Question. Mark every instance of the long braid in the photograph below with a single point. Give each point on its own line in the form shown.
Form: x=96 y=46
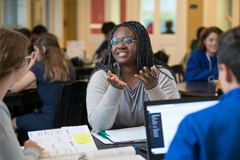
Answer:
x=145 y=55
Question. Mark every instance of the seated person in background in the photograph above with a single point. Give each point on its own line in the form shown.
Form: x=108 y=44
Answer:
x=194 y=44
x=106 y=30
x=127 y=76
x=37 y=30
x=49 y=67
x=13 y=50
x=213 y=133
x=28 y=34
x=169 y=27
x=202 y=64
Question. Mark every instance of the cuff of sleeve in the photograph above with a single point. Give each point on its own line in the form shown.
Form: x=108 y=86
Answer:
x=156 y=93
x=33 y=152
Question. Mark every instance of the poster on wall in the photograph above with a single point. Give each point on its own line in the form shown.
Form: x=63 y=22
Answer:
x=76 y=49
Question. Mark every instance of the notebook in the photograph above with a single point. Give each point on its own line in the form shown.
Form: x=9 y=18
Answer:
x=63 y=143
x=163 y=117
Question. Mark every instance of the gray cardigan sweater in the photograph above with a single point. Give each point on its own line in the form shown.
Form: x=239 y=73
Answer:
x=109 y=107
x=9 y=146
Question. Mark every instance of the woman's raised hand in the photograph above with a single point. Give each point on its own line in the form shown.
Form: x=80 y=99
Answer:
x=115 y=82
x=150 y=79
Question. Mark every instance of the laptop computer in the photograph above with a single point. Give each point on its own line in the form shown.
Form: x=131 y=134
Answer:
x=163 y=117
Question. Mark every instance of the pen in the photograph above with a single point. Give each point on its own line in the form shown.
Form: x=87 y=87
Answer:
x=105 y=136
x=28 y=57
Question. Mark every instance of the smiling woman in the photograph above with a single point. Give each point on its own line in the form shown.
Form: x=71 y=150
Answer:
x=202 y=63
x=127 y=76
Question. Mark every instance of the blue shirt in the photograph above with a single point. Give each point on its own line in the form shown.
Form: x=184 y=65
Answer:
x=210 y=134
x=103 y=46
x=48 y=92
x=199 y=68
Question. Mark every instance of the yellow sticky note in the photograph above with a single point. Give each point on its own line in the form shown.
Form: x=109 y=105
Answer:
x=82 y=138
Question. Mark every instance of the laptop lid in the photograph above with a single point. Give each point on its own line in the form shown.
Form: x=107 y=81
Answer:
x=163 y=117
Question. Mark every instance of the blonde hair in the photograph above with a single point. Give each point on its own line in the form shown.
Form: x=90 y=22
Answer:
x=57 y=64
x=13 y=50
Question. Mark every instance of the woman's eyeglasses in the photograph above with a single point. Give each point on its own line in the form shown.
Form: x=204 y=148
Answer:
x=127 y=41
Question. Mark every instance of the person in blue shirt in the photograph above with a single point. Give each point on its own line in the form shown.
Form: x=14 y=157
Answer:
x=106 y=30
x=213 y=133
x=49 y=68
x=202 y=64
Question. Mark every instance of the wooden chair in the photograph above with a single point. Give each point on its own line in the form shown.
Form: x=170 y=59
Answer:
x=71 y=105
x=179 y=72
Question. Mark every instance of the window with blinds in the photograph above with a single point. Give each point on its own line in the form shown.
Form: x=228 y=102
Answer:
x=14 y=14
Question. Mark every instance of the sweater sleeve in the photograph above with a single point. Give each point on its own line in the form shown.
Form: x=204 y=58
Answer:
x=167 y=88
x=196 y=71
x=9 y=145
x=12 y=150
x=102 y=102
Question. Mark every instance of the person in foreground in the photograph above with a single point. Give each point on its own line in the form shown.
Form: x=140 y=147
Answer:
x=213 y=133
x=49 y=67
x=202 y=64
x=13 y=49
x=127 y=76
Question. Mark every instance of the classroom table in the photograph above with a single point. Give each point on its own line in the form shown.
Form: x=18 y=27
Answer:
x=84 y=71
x=197 y=89
x=29 y=95
x=100 y=145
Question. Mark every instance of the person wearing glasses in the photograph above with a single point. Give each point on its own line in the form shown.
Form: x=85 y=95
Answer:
x=13 y=49
x=49 y=68
x=127 y=76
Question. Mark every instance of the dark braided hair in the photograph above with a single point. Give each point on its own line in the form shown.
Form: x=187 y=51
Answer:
x=145 y=55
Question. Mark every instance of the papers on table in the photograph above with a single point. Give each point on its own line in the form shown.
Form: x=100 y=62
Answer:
x=126 y=135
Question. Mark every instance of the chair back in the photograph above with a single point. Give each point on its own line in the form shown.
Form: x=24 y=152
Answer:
x=162 y=56
x=179 y=72
x=71 y=105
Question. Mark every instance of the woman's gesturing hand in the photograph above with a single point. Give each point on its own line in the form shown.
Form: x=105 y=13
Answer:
x=150 y=79
x=115 y=82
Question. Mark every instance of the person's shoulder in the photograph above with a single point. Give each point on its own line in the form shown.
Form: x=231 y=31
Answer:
x=197 y=52
x=99 y=74
x=164 y=70
x=204 y=116
x=39 y=64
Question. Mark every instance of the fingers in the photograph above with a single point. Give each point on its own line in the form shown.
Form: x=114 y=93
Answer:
x=147 y=72
x=154 y=71
x=140 y=78
x=115 y=82
x=109 y=73
x=148 y=75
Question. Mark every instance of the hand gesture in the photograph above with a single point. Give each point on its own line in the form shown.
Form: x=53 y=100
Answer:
x=150 y=79
x=30 y=143
x=115 y=82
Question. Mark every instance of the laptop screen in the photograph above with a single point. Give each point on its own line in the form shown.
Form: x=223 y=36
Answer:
x=163 y=117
